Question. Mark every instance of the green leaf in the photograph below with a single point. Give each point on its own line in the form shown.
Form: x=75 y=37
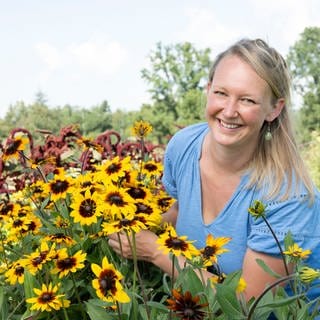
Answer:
x=228 y=301
x=267 y=269
x=97 y=313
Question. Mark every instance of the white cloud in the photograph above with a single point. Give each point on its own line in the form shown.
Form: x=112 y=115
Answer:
x=205 y=30
x=96 y=56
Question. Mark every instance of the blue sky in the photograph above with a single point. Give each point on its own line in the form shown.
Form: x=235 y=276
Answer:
x=82 y=52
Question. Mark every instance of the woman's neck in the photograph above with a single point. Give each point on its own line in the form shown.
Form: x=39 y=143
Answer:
x=226 y=159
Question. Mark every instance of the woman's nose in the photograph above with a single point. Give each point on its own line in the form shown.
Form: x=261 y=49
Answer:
x=230 y=109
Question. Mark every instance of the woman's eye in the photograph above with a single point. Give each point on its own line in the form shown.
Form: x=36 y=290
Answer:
x=248 y=101
x=219 y=93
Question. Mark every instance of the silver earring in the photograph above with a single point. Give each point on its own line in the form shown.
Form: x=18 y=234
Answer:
x=268 y=134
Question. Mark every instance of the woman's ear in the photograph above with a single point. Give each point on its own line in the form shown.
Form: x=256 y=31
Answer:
x=276 y=110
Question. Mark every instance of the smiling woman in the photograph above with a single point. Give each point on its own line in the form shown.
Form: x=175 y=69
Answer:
x=245 y=151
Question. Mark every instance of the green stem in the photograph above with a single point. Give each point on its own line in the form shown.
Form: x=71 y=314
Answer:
x=77 y=296
x=254 y=305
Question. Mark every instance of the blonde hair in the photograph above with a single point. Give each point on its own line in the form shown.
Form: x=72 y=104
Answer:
x=278 y=160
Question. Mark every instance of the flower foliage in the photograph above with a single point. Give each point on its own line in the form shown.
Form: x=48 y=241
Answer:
x=59 y=203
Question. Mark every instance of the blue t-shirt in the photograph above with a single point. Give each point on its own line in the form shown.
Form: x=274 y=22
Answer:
x=182 y=181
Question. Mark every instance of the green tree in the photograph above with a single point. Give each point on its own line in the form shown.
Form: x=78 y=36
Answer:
x=176 y=77
x=304 y=62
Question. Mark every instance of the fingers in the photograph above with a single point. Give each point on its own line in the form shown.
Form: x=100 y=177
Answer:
x=120 y=245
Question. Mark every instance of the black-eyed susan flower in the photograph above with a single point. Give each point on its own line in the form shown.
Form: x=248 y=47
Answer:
x=15 y=273
x=308 y=274
x=185 y=306
x=296 y=253
x=65 y=263
x=107 y=284
x=59 y=186
x=86 y=208
x=123 y=222
x=37 y=259
x=213 y=248
x=257 y=210
x=164 y=201
x=113 y=169
x=152 y=168
x=14 y=146
x=169 y=242
x=117 y=200
x=60 y=238
x=141 y=129
x=47 y=299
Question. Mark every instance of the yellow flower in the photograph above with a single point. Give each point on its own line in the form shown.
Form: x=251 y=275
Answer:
x=66 y=264
x=15 y=273
x=170 y=243
x=86 y=207
x=141 y=129
x=47 y=299
x=241 y=285
x=107 y=284
x=214 y=248
x=257 y=210
x=295 y=252
x=14 y=146
x=59 y=186
x=309 y=274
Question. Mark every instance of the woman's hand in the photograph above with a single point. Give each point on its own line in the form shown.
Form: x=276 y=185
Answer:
x=145 y=243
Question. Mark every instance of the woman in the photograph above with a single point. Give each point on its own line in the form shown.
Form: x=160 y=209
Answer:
x=244 y=152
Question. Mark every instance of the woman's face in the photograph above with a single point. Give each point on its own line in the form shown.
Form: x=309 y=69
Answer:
x=238 y=103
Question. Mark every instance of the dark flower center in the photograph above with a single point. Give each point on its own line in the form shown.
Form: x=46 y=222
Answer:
x=176 y=243
x=107 y=281
x=46 y=297
x=209 y=251
x=116 y=199
x=143 y=208
x=150 y=167
x=13 y=147
x=137 y=193
x=114 y=167
x=59 y=186
x=66 y=264
x=87 y=208
x=19 y=270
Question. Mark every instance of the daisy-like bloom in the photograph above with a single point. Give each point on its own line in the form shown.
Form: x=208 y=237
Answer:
x=257 y=210
x=308 y=274
x=116 y=200
x=123 y=222
x=65 y=264
x=148 y=213
x=85 y=181
x=213 y=248
x=37 y=191
x=59 y=186
x=185 y=306
x=14 y=146
x=113 y=169
x=107 y=284
x=152 y=168
x=169 y=242
x=141 y=129
x=86 y=207
x=60 y=222
x=296 y=253
x=88 y=143
x=139 y=192
x=60 y=238
x=37 y=259
x=8 y=209
x=164 y=201
x=15 y=273
x=47 y=299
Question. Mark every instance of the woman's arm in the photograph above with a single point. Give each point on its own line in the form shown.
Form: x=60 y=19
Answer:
x=171 y=215
x=256 y=278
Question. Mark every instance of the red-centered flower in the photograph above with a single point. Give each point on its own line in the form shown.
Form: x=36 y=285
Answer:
x=185 y=306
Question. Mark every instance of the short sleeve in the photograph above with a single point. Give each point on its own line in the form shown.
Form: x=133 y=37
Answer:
x=168 y=180
x=295 y=215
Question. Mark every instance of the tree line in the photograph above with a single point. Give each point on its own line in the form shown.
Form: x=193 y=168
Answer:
x=176 y=80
